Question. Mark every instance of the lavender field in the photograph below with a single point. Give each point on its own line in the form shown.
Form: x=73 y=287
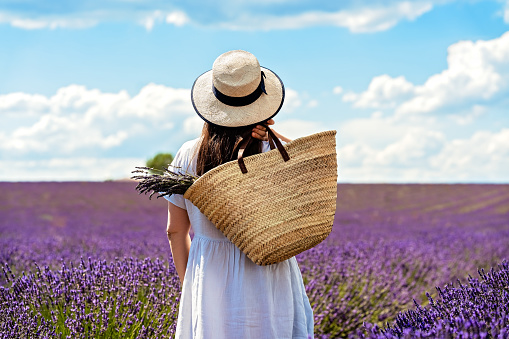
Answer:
x=86 y=259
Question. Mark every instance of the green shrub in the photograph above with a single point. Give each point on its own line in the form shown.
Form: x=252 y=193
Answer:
x=160 y=160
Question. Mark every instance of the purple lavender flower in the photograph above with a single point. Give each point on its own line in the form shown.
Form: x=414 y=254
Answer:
x=389 y=245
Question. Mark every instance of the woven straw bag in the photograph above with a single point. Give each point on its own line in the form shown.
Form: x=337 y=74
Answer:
x=273 y=205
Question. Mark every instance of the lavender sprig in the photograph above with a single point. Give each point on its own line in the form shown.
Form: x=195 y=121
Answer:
x=165 y=183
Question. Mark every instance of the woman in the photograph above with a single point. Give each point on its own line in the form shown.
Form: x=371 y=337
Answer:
x=224 y=294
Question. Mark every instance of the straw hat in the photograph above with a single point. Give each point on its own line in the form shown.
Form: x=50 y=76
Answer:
x=237 y=91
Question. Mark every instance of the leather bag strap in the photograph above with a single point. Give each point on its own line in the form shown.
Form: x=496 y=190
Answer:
x=240 y=157
x=272 y=139
x=271 y=143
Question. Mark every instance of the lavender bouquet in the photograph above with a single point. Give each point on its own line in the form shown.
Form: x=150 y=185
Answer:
x=165 y=182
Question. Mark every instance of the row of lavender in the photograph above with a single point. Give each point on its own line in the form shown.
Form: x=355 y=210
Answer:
x=138 y=299
x=390 y=244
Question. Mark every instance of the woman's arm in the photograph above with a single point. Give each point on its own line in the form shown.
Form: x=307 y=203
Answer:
x=282 y=137
x=178 y=236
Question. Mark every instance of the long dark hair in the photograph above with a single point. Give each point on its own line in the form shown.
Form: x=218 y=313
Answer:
x=219 y=144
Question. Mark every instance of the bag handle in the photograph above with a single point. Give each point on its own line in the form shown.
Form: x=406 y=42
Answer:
x=272 y=139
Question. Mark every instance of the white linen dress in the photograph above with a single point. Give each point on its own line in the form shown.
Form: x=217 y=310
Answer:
x=224 y=294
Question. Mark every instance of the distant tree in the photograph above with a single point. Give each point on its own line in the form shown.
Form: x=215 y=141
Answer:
x=160 y=160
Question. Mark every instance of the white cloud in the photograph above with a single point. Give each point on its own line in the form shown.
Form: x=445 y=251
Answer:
x=376 y=130
x=312 y=103
x=378 y=133
x=49 y=22
x=90 y=102
x=361 y=20
x=292 y=100
x=506 y=12
x=410 y=151
x=150 y=20
x=337 y=90
x=469 y=117
x=23 y=102
x=477 y=72
x=350 y=97
x=355 y=16
x=30 y=24
x=83 y=19
x=193 y=125
x=156 y=101
x=177 y=18
x=64 y=169
x=382 y=92
x=358 y=20
x=295 y=128
x=76 y=118
x=427 y=156
x=77 y=129
x=53 y=134
x=354 y=155
x=484 y=156
x=405 y=140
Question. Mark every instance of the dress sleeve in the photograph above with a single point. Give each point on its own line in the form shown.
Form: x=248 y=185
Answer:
x=178 y=163
x=266 y=145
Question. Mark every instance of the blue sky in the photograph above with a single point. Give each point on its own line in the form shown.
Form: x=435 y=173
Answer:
x=417 y=90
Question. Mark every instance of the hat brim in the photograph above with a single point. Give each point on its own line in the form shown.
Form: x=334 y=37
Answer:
x=210 y=109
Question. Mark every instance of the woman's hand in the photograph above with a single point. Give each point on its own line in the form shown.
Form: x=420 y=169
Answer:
x=260 y=132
